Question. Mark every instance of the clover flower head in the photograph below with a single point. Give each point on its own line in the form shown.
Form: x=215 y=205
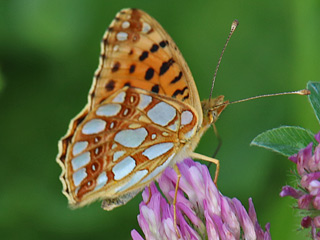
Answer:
x=202 y=211
x=308 y=191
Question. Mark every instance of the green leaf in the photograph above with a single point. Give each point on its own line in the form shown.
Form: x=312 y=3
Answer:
x=314 y=97
x=285 y=140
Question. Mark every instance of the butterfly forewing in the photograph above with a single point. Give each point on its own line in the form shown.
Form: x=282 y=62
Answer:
x=136 y=51
x=122 y=144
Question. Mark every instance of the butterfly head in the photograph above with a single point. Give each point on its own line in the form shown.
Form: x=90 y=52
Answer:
x=212 y=108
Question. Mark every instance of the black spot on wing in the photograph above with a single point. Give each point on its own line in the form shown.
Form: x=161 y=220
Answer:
x=165 y=66
x=149 y=74
x=115 y=67
x=154 y=48
x=132 y=68
x=110 y=85
x=178 y=91
x=163 y=43
x=143 y=56
x=177 y=78
x=186 y=97
x=155 y=88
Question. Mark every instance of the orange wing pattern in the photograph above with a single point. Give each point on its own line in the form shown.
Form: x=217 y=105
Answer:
x=136 y=51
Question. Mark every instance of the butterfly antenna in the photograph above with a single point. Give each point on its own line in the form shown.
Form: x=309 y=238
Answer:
x=300 y=92
x=234 y=25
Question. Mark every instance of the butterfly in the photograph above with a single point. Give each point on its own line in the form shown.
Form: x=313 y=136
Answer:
x=143 y=115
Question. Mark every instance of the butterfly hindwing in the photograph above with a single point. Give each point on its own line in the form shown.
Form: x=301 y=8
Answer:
x=122 y=144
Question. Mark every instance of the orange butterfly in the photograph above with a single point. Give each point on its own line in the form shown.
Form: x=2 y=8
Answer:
x=143 y=114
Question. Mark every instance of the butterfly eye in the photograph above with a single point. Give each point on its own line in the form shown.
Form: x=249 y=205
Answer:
x=214 y=115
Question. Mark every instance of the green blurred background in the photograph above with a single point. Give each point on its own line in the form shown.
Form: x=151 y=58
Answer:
x=49 y=51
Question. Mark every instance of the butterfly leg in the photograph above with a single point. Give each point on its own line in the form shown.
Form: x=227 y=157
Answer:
x=208 y=159
x=175 y=200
